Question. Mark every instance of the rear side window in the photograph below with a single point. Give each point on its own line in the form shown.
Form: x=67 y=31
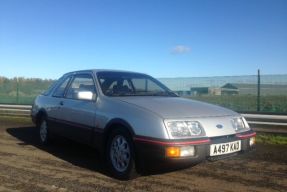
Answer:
x=81 y=83
x=60 y=90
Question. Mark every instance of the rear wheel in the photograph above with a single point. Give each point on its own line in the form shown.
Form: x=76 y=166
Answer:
x=120 y=155
x=43 y=131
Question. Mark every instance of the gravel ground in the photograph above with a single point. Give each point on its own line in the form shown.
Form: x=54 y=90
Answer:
x=68 y=166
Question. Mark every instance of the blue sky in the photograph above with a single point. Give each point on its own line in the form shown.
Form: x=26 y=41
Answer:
x=164 y=38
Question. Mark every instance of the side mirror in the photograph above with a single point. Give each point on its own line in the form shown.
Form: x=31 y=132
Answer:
x=85 y=95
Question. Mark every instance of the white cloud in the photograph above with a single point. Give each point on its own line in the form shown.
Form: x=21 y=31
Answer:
x=180 y=49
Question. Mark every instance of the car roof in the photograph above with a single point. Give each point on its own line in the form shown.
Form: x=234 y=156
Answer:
x=100 y=70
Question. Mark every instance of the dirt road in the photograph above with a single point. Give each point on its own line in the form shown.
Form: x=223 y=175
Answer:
x=67 y=166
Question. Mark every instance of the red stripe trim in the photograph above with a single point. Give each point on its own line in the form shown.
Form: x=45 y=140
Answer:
x=246 y=136
x=203 y=141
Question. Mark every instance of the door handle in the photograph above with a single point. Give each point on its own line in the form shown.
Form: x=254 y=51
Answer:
x=62 y=103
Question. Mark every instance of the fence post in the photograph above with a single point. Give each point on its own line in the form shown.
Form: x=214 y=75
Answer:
x=17 y=91
x=258 y=90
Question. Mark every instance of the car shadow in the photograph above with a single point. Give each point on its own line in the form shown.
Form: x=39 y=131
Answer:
x=79 y=154
x=75 y=153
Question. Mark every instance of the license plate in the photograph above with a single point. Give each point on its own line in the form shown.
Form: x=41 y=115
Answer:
x=225 y=148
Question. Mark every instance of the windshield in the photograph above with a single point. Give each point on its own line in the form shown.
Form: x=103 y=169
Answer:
x=131 y=84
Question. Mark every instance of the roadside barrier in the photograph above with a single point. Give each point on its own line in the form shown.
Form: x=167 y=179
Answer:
x=15 y=110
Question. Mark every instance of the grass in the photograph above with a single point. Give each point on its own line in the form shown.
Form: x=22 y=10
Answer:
x=272 y=139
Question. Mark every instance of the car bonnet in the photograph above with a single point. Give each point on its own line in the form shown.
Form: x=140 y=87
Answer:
x=176 y=107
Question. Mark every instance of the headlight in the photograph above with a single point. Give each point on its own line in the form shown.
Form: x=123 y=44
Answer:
x=239 y=124
x=179 y=129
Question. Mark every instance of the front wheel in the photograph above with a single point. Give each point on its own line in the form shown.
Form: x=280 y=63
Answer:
x=120 y=155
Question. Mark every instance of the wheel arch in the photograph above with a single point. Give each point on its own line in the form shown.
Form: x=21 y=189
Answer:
x=117 y=123
x=41 y=113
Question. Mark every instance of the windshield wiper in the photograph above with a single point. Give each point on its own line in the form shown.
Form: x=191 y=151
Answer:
x=159 y=93
x=164 y=93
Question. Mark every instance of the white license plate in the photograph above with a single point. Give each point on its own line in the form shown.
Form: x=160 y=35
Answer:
x=225 y=148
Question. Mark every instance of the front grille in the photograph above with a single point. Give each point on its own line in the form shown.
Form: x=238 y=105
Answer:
x=223 y=139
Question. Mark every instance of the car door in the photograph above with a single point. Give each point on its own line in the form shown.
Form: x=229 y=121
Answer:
x=54 y=103
x=79 y=114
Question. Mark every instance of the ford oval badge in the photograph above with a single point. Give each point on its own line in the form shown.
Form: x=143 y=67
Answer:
x=219 y=126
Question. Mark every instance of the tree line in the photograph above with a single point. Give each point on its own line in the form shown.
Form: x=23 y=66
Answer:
x=23 y=86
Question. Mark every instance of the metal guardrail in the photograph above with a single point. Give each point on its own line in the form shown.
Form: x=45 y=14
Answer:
x=15 y=110
x=260 y=119
x=267 y=123
x=253 y=119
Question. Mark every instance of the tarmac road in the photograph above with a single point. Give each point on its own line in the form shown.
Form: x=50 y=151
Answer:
x=68 y=166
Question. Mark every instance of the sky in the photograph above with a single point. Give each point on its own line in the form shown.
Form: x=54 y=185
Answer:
x=163 y=38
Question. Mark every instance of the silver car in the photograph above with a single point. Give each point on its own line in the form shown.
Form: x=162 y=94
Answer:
x=134 y=120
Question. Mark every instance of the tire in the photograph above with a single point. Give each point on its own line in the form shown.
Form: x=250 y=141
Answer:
x=44 y=136
x=120 y=155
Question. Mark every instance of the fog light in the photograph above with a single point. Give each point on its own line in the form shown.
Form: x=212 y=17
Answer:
x=252 y=141
x=182 y=151
x=187 y=151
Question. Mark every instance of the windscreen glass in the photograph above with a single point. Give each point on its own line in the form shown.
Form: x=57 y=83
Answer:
x=131 y=84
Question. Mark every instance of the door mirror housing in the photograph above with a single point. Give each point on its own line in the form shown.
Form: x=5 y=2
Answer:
x=85 y=95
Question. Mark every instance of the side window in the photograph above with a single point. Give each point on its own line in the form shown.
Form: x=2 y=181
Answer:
x=59 y=92
x=81 y=83
x=127 y=84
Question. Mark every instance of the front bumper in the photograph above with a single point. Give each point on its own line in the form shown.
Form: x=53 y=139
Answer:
x=151 y=151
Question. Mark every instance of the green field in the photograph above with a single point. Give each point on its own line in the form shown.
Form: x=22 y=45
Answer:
x=22 y=100
x=276 y=104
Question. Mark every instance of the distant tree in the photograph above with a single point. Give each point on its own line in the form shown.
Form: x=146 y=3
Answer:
x=27 y=86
